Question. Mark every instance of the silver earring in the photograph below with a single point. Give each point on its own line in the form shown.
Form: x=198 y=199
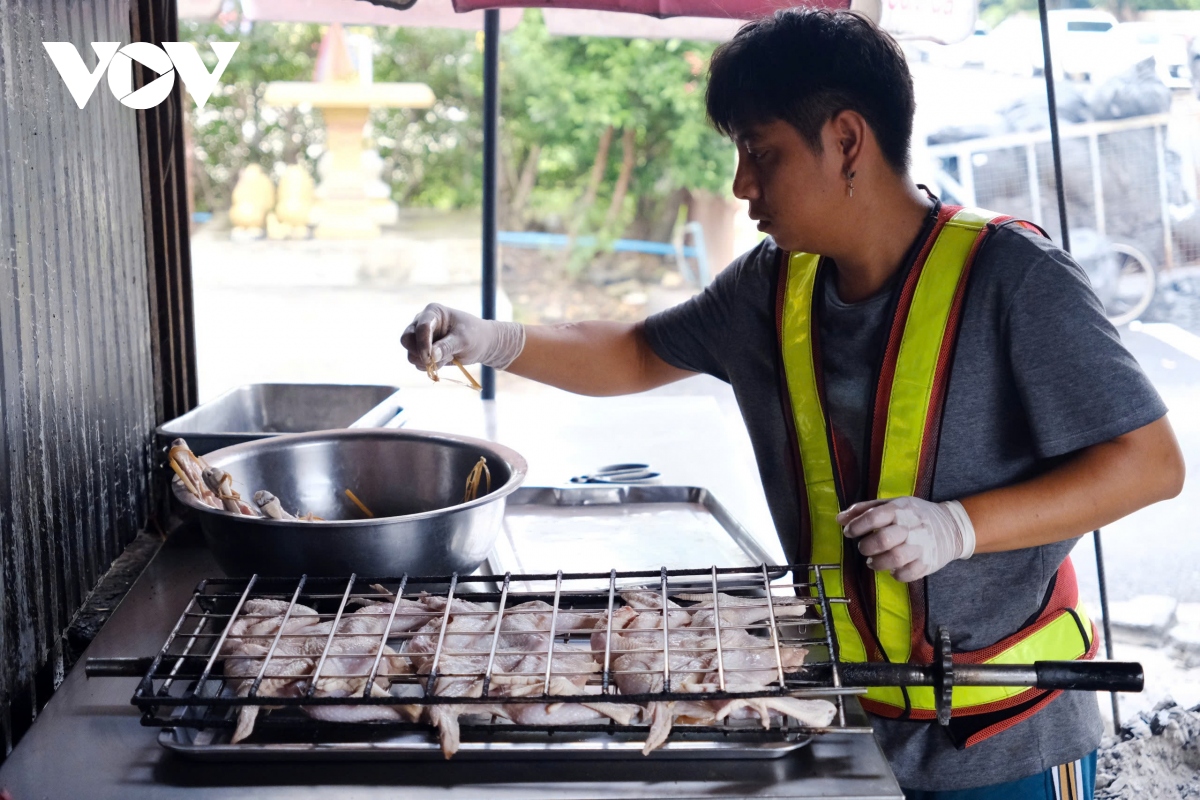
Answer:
x=850 y=183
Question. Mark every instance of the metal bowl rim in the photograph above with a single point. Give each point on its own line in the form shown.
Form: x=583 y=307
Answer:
x=519 y=469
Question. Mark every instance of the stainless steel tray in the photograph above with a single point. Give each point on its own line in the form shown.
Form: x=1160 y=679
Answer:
x=625 y=528
x=360 y=742
x=482 y=742
x=259 y=410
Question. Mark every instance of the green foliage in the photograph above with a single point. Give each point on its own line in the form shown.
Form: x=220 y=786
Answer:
x=558 y=97
x=235 y=128
x=432 y=157
x=994 y=11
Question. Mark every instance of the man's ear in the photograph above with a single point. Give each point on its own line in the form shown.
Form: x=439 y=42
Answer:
x=849 y=131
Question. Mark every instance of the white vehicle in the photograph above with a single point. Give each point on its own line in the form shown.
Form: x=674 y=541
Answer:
x=1080 y=41
x=1077 y=39
x=1132 y=42
x=1014 y=47
x=970 y=52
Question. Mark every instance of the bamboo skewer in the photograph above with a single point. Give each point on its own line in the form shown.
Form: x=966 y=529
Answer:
x=431 y=369
x=361 y=506
x=478 y=473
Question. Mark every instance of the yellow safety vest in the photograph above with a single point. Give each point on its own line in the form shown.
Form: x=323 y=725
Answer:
x=891 y=626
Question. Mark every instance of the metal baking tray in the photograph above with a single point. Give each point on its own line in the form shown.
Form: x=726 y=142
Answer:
x=259 y=410
x=360 y=742
x=626 y=528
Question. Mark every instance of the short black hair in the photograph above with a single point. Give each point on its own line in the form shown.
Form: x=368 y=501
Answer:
x=803 y=66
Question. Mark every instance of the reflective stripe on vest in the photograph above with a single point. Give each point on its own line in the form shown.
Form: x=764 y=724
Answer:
x=908 y=418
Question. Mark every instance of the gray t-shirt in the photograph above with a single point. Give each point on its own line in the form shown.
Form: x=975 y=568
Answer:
x=1038 y=374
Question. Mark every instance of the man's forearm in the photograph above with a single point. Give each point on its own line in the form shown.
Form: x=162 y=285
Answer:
x=1096 y=487
x=593 y=358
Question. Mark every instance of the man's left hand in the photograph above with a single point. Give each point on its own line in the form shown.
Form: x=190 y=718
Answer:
x=909 y=537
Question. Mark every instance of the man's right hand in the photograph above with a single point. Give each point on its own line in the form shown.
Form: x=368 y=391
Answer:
x=440 y=334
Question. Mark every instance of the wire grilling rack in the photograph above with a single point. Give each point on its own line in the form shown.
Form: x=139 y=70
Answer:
x=752 y=632
x=752 y=639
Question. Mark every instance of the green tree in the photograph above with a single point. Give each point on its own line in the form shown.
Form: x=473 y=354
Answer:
x=235 y=127
x=598 y=135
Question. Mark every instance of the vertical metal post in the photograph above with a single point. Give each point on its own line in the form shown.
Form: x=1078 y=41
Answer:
x=1055 y=143
x=1108 y=642
x=1164 y=199
x=1097 y=181
x=1035 y=189
x=966 y=174
x=491 y=120
x=1066 y=244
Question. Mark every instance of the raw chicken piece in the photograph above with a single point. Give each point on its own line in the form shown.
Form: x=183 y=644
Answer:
x=190 y=469
x=637 y=660
x=518 y=669
x=749 y=662
x=348 y=665
x=221 y=483
x=743 y=611
x=248 y=643
x=465 y=649
x=270 y=505
x=289 y=674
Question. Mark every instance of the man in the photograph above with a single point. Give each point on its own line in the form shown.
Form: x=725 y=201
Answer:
x=953 y=362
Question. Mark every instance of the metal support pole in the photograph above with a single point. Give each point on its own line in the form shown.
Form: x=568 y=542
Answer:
x=1108 y=642
x=491 y=120
x=1035 y=189
x=1055 y=148
x=1097 y=181
x=1164 y=199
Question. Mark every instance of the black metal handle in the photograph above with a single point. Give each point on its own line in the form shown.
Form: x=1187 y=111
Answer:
x=1091 y=676
x=117 y=667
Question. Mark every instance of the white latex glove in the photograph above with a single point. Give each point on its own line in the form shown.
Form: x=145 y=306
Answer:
x=441 y=334
x=909 y=537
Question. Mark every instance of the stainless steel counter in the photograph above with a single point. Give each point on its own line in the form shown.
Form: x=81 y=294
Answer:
x=89 y=743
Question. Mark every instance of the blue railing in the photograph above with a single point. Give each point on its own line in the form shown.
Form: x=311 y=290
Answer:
x=558 y=241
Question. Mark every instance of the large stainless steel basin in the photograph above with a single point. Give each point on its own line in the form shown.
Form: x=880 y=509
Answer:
x=412 y=480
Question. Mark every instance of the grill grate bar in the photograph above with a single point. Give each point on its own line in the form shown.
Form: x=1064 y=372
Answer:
x=333 y=630
x=383 y=637
x=666 y=638
x=553 y=625
x=606 y=681
x=717 y=627
x=431 y=683
x=822 y=691
x=774 y=629
x=405 y=677
x=487 y=673
x=147 y=683
x=216 y=651
x=275 y=642
x=830 y=639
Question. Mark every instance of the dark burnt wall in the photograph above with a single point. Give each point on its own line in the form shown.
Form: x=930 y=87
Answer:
x=77 y=390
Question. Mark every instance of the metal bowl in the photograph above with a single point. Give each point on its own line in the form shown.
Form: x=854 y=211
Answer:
x=413 y=481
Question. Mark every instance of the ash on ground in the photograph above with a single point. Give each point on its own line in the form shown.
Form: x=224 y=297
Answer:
x=1156 y=755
